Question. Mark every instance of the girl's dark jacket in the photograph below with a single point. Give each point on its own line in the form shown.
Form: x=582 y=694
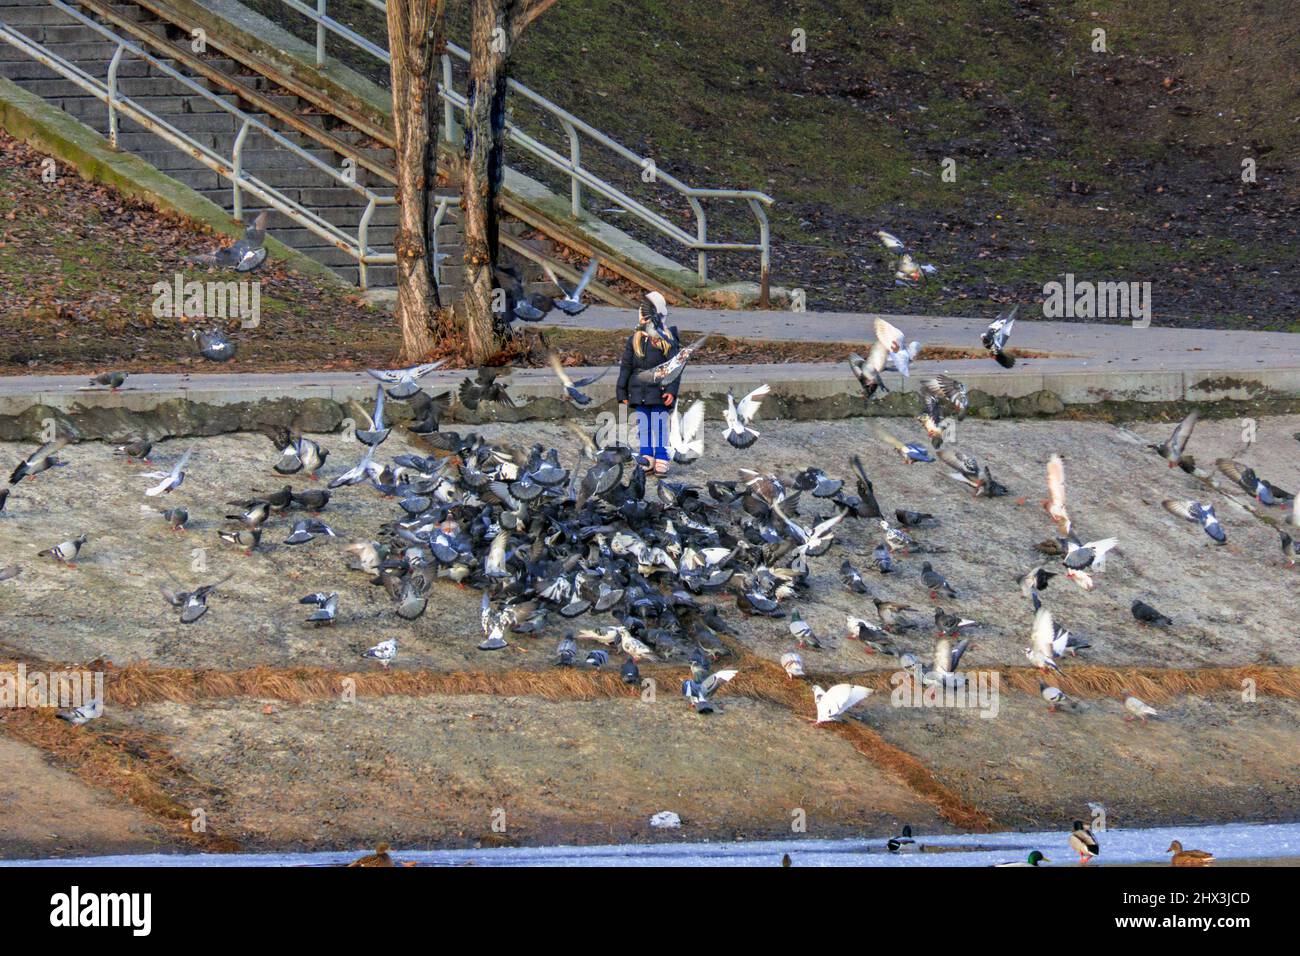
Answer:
x=641 y=393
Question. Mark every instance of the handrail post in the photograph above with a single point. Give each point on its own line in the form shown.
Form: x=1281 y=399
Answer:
x=448 y=110
x=363 y=242
x=237 y=171
x=112 y=96
x=575 y=161
x=764 y=254
x=701 y=235
x=437 y=222
x=320 y=32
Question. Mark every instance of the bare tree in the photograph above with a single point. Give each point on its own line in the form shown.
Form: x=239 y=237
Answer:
x=416 y=36
x=495 y=27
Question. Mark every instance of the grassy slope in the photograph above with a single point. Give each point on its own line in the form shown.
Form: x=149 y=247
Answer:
x=849 y=136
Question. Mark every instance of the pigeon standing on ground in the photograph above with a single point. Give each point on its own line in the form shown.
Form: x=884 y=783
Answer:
x=66 y=552
x=113 y=380
x=86 y=712
x=213 y=345
x=833 y=703
x=1138 y=709
x=385 y=652
x=1146 y=614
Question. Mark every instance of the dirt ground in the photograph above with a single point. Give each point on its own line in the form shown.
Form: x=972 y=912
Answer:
x=1227 y=602
x=596 y=770
x=433 y=771
x=49 y=812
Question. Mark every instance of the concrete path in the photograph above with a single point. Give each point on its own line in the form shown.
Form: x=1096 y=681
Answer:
x=1087 y=364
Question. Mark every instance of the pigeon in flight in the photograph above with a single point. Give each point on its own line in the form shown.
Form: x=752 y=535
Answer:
x=1262 y=491
x=740 y=415
x=326 y=608
x=40 y=460
x=244 y=255
x=1172 y=450
x=1054 y=504
x=1198 y=513
x=570 y=303
x=949 y=390
x=401 y=383
x=484 y=387
x=996 y=336
x=171 y=480
x=527 y=307
x=792 y=664
x=193 y=604
x=573 y=387
x=665 y=373
x=377 y=432
x=685 y=439
x=867 y=370
x=910 y=452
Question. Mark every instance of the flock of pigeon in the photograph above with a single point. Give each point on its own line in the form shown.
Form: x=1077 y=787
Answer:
x=588 y=542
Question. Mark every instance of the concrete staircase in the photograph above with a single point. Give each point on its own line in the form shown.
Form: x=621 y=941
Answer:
x=208 y=124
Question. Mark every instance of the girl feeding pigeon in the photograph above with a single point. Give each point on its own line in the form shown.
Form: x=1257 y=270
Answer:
x=652 y=344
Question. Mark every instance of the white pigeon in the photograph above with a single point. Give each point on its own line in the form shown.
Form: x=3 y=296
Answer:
x=834 y=702
x=79 y=715
x=901 y=360
x=891 y=337
x=385 y=652
x=401 y=382
x=890 y=241
x=1139 y=708
x=792 y=663
x=1040 y=651
x=638 y=650
x=739 y=416
x=171 y=480
x=684 y=438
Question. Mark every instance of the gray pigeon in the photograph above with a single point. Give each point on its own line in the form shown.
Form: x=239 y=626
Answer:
x=244 y=255
x=213 y=345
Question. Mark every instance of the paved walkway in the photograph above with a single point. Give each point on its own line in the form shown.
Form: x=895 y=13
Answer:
x=1087 y=363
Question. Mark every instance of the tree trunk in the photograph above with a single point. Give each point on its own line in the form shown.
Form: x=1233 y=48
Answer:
x=489 y=47
x=495 y=26
x=415 y=35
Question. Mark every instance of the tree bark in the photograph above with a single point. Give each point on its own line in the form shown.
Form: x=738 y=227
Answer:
x=495 y=26
x=415 y=37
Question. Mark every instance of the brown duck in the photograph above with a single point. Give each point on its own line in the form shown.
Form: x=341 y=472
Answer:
x=1189 y=857
x=379 y=858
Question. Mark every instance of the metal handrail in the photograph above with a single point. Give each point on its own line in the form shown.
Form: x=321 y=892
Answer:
x=571 y=165
x=107 y=91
